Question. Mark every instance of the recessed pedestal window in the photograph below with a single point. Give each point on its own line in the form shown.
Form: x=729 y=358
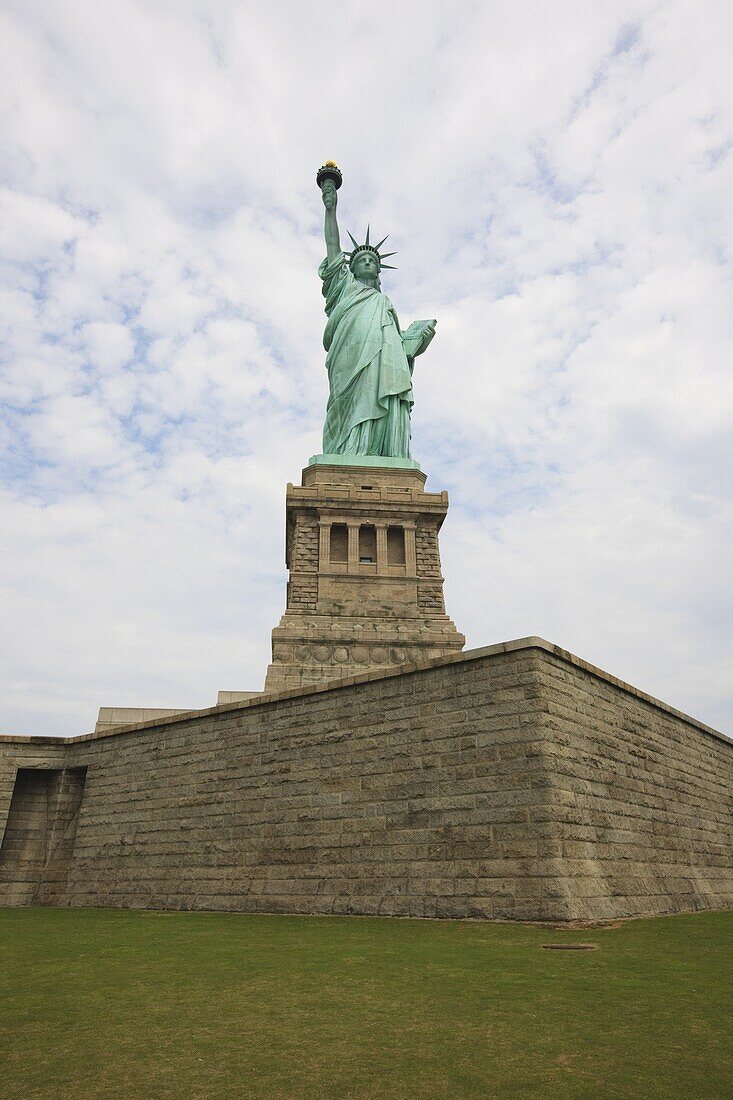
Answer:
x=339 y=542
x=395 y=546
x=367 y=544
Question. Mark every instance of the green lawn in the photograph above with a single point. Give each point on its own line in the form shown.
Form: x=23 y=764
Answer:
x=102 y=1003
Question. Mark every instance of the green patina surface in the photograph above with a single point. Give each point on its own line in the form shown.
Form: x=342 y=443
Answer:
x=372 y=461
x=369 y=358
x=119 y=1004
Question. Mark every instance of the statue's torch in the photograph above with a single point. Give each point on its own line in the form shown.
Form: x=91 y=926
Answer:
x=329 y=171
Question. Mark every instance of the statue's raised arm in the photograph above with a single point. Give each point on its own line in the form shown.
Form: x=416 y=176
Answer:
x=369 y=360
x=329 y=181
x=331 y=225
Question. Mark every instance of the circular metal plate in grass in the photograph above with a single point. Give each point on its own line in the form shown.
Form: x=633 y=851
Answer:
x=569 y=946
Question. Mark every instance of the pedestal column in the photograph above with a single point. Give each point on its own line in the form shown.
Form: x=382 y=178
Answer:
x=410 y=550
x=381 y=547
x=324 y=543
x=353 y=545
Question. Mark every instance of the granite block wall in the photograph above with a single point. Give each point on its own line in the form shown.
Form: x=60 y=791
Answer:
x=642 y=798
x=513 y=782
x=40 y=803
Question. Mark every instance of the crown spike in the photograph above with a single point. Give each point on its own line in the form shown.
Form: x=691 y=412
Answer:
x=390 y=266
x=369 y=247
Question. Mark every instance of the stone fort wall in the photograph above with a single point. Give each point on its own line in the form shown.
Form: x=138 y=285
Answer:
x=513 y=782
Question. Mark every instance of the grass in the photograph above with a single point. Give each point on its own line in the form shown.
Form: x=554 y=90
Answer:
x=105 y=1003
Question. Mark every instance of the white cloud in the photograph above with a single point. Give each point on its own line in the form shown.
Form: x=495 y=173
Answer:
x=109 y=345
x=556 y=179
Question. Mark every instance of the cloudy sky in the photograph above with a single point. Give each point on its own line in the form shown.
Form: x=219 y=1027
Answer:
x=557 y=179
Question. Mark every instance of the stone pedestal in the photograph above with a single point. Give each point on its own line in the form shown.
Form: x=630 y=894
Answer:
x=365 y=589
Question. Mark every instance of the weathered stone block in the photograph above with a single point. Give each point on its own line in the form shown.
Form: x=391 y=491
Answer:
x=513 y=782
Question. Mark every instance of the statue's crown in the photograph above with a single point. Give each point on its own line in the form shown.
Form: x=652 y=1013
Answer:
x=374 y=248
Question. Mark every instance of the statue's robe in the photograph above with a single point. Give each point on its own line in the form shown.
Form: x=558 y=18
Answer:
x=369 y=372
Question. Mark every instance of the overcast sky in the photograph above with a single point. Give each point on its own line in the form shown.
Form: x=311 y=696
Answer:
x=557 y=179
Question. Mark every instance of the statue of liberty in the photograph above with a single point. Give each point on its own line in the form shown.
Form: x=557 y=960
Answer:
x=369 y=359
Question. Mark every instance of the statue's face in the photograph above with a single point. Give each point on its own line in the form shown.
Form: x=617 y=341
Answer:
x=365 y=266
